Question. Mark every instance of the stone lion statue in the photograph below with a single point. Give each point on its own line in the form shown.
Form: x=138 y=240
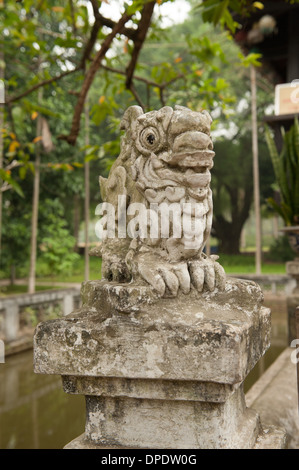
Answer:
x=160 y=201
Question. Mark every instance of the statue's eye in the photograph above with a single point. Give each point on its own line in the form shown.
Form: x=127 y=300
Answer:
x=149 y=138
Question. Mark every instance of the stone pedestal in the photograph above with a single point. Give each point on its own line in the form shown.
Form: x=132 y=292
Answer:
x=169 y=374
x=292 y=269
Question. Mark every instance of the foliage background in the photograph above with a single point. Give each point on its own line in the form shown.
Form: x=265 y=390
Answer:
x=195 y=64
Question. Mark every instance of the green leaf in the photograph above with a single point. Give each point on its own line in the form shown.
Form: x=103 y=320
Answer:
x=89 y=158
x=91 y=149
x=296 y=197
x=277 y=208
x=22 y=172
x=296 y=138
x=11 y=182
x=219 y=11
x=251 y=59
x=229 y=21
x=290 y=148
x=68 y=42
x=273 y=152
x=41 y=109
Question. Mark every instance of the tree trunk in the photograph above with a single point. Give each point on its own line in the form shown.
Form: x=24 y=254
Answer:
x=229 y=235
x=35 y=203
x=76 y=220
x=256 y=181
x=229 y=246
x=2 y=100
x=12 y=274
x=229 y=232
x=87 y=196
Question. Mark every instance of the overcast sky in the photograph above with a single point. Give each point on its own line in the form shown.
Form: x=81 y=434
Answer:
x=172 y=12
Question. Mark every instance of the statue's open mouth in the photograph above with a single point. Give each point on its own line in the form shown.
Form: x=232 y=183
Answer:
x=190 y=160
x=190 y=169
x=193 y=178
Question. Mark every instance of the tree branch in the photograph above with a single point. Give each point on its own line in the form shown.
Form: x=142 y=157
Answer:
x=129 y=32
x=41 y=84
x=139 y=39
x=89 y=77
x=12 y=165
x=90 y=43
x=99 y=21
x=136 y=96
x=135 y=77
x=160 y=86
x=5 y=187
x=72 y=9
x=161 y=95
x=143 y=79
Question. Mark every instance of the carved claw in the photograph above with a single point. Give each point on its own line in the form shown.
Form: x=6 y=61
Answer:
x=165 y=278
x=153 y=277
x=168 y=278
x=182 y=273
x=207 y=273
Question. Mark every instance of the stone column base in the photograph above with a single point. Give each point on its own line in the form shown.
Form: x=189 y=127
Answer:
x=270 y=437
x=165 y=414
x=166 y=376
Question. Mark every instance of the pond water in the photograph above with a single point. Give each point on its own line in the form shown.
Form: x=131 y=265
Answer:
x=35 y=413
x=279 y=337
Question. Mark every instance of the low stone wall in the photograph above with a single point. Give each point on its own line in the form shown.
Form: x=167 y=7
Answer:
x=273 y=282
x=274 y=396
x=14 y=317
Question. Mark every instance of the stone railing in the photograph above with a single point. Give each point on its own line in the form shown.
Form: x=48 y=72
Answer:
x=273 y=282
x=70 y=298
x=11 y=306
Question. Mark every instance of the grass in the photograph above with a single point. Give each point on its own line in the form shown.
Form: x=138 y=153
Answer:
x=233 y=264
x=19 y=289
x=245 y=264
x=77 y=274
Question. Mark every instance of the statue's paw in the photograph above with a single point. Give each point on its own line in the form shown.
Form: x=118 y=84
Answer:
x=207 y=273
x=160 y=277
x=165 y=278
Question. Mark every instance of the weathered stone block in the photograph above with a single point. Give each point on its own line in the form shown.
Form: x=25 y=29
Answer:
x=166 y=423
x=179 y=339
